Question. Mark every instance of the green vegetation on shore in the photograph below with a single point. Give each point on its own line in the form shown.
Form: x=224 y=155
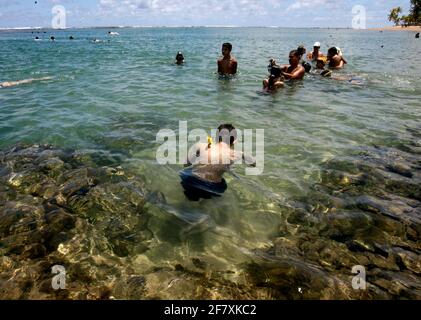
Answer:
x=412 y=19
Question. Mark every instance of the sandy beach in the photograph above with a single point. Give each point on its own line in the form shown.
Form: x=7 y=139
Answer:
x=398 y=28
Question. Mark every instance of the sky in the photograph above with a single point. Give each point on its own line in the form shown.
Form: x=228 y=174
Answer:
x=281 y=13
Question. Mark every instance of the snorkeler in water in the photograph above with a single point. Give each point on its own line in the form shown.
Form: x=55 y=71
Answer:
x=208 y=162
x=8 y=84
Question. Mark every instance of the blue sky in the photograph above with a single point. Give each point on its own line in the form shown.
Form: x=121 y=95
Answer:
x=284 y=13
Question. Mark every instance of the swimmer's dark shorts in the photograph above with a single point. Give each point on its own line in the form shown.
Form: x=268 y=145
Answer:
x=196 y=188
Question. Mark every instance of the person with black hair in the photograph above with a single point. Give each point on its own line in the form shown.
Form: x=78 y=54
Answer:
x=336 y=59
x=302 y=51
x=295 y=71
x=275 y=80
x=208 y=162
x=179 y=58
x=227 y=65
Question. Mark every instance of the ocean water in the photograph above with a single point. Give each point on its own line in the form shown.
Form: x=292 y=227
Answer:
x=341 y=180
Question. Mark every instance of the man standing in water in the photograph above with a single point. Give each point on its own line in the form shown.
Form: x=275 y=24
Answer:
x=294 y=71
x=227 y=65
x=313 y=56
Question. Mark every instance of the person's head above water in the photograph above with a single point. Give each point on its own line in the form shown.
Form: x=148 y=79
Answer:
x=226 y=49
x=332 y=52
x=179 y=58
x=301 y=50
x=226 y=133
x=294 y=57
x=276 y=71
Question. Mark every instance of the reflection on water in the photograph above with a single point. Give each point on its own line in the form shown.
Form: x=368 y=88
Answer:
x=341 y=185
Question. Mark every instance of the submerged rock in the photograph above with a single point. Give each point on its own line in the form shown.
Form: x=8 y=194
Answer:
x=59 y=207
x=56 y=207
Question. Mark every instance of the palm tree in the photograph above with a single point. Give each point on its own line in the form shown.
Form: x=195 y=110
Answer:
x=394 y=14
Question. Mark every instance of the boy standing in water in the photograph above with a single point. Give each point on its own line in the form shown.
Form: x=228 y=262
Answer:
x=227 y=65
x=208 y=162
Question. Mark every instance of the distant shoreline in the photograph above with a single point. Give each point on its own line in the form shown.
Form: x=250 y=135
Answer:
x=398 y=28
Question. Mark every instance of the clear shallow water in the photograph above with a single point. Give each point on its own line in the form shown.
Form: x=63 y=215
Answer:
x=110 y=99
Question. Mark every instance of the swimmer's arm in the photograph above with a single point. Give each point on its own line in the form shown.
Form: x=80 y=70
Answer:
x=296 y=75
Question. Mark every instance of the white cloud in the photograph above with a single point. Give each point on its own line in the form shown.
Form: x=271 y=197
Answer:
x=192 y=7
x=302 y=4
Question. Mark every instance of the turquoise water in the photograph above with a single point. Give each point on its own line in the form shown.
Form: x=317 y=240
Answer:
x=110 y=99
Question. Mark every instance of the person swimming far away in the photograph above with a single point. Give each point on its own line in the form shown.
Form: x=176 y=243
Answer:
x=227 y=65
x=179 y=58
x=207 y=163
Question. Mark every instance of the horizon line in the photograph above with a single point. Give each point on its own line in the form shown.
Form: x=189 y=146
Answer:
x=180 y=26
